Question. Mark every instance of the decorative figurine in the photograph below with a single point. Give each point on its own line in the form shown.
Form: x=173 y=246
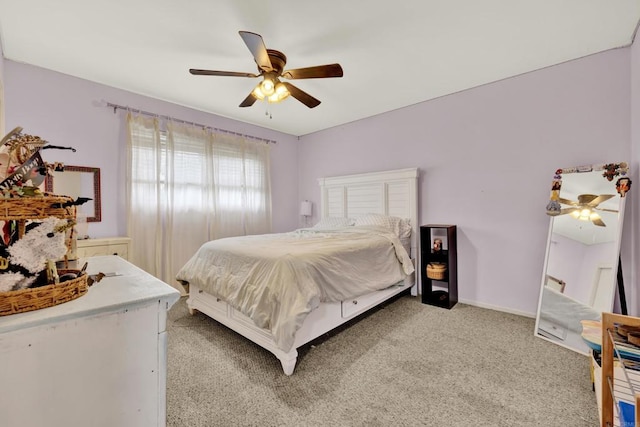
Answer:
x=623 y=185
x=553 y=207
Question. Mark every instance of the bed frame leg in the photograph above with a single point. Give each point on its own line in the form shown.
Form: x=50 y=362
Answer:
x=288 y=362
x=192 y=310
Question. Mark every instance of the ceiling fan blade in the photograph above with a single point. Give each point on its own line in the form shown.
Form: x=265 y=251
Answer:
x=197 y=72
x=596 y=220
x=568 y=210
x=257 y=48
x=583 y=199
x=605 y=210
x=317 y=72
x=301 y=95
x=567 y=202
x=248 y=101
x=601 y=198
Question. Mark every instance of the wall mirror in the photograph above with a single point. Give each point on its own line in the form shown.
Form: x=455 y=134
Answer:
x=78 y=181
x=583 y=246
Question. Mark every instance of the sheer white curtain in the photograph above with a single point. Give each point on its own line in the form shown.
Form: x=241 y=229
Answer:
x=188 y=186
x=240 y=164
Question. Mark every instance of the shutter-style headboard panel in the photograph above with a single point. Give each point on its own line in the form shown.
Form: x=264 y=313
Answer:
x=390 y=192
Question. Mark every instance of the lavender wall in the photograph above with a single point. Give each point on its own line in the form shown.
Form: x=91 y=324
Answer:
x=576 y=263
x=486 y=157
x=2 y=130
x=632 y=223
x=66 y=111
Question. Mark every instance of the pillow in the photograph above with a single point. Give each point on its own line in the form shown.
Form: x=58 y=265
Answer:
x=404 y=228
x=406 y=244
x=400 y=226
x=331 y=222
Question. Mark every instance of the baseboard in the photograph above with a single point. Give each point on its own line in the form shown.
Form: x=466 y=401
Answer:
x=496 y=308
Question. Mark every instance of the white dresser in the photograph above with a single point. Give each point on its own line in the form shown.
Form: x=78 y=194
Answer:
x=99 y=360
x=104 y=246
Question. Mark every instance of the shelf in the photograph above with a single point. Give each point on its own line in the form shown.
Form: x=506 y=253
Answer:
x=440 y=256
x=439 y=298
x=620 y=384
x=439 y=287
x=441 y=292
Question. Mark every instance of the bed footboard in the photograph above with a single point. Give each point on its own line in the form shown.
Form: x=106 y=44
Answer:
x=325 y=318
x=233 y=319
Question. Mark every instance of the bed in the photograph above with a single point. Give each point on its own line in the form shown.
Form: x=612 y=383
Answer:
x=562 y=309
x=561 y=317
x=284 y=290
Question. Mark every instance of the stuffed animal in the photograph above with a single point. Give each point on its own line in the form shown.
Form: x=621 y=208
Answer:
x=23 y=264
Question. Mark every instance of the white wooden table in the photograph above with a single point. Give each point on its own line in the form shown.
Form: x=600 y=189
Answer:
x=99 y=360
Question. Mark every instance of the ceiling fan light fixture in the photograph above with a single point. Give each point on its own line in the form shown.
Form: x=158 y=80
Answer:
x=257 y=92
x=271 y=89
x=264 y=89
x=280 y=93
x=585 y=215
x=268 y=87
x=277 y=93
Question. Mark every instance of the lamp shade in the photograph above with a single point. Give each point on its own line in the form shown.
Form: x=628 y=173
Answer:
x=305 y=208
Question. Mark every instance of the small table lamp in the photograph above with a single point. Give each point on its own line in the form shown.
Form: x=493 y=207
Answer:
x=305 y=210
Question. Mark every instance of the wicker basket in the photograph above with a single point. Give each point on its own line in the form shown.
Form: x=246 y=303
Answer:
x=23 y=208
x=436 y=271
x=44 y=296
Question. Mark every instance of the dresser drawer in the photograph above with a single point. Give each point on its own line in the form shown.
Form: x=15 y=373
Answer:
x=98 y=247
x=354 y=306
x=357 y=305
x=211 y=301
x=121 y=250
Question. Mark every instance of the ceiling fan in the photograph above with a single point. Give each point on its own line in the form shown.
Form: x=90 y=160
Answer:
x=271 y=68
x=586 y=206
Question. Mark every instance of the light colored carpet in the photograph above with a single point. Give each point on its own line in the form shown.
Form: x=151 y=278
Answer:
x=407 y=364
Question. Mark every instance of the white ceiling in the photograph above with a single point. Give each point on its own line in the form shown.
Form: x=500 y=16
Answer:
x=393 y=54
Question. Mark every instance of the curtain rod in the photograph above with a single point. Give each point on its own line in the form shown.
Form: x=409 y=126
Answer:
x=160 y=116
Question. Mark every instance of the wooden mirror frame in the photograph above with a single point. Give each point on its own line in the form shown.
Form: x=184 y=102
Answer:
x=95 y=174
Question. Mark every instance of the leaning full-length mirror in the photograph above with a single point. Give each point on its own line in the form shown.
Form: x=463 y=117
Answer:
x=579 y=275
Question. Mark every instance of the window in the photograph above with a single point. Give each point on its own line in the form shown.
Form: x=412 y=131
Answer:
x=188 y=185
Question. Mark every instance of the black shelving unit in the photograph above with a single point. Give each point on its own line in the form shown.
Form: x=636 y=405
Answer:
x=441 y=291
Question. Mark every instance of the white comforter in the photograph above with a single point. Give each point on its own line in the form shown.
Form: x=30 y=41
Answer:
x=277 y=279
x=565 y=311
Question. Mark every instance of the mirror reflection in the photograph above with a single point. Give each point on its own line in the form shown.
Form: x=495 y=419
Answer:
x=579 y=276
x=78 y=181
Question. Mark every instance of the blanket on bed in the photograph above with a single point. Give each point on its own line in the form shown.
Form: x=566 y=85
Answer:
x=565 y=311
x=277 y=279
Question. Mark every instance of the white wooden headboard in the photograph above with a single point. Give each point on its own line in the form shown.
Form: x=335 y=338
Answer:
x=392 y=192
